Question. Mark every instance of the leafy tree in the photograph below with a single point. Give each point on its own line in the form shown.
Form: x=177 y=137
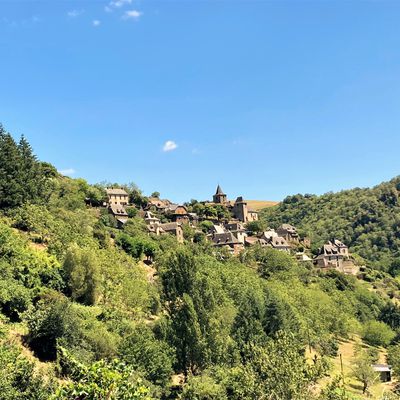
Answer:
x=394 y=358
x=272 y=261
x=19 y=379
x=101 y=380
x=82 y=275
x=142 y=350
x=256 y=226
x=186 y=336
x=377 y=333
x=363 y=371
x=282 y=369
x=53 y=320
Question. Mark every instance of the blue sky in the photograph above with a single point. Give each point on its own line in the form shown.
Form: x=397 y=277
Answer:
x=268 y=98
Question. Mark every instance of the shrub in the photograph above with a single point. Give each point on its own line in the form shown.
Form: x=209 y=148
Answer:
x=377 y=333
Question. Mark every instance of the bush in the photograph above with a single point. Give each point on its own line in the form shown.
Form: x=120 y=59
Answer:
x=51 y=322
x=377 y=333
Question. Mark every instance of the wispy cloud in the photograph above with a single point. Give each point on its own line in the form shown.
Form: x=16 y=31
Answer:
x=116 y=4
x=169 y=145
x=67 y=171
x=75 y=13
x=96 y=22
x=132 y=14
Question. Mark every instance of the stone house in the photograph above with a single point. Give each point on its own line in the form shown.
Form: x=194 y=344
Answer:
x=172 y=228
x=242 y=212
x=268 y=235
x=289 y=232
x=279 y=243
x=252 y=240
x=228 y=240
x=156 y=204
x=150 y=218
x=335 y=254
x=119 y=213
x=238 y=229
x=117 y=197
x=178 y=213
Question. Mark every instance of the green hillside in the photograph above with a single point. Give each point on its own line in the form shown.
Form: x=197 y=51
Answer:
x=368 y=220
x=90 y=310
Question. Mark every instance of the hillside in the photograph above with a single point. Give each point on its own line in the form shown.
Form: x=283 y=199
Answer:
x=368 y=220
x=258 y=205
x=92 y=308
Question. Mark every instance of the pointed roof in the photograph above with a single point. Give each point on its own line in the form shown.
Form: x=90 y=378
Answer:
x=219 y=190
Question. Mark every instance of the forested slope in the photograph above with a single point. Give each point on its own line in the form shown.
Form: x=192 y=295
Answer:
x=368 y=220
x=82 y=318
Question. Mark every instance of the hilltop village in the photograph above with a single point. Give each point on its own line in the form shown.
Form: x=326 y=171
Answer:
x=228 y=224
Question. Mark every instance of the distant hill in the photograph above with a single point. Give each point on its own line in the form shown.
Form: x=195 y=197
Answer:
x=260 y=204
x=368 y=220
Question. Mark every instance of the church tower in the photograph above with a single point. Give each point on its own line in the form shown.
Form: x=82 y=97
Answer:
x=219 y=196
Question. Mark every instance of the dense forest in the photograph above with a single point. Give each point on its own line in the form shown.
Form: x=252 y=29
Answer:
x=90 y=311
x=368 y=220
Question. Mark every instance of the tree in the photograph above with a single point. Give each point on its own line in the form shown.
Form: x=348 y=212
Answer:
x=21 y=176
x=394 y=359
x=143 y=351
x=281 y=368
x=363 y=371
x=256 y=226
x=377 y=333
x=156 y=195
x=81 y=273
x=53 y=320
x=186 y=336
x=101 y=380
x=272 y=261
x=178 y=272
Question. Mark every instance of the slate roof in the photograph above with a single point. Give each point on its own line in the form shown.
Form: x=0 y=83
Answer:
x=381 y=367
x=118 y=210
x=116 y=191
x=278 y=241
x=227 y=238
x=219 y=191
x=170 y=226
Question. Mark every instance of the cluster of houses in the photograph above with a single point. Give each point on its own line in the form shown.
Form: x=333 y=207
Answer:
x=164 y=217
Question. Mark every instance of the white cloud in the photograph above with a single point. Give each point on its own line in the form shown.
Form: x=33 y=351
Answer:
x=67 y=171
x=169 y=145
x=116 y=4
x=96 y=22
x=74 y=13
x=132 y=14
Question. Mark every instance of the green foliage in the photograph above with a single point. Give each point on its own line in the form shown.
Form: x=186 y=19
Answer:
x=52 y=321
x=394 y=359
x=363 y=371
x=203 y=387
x=153 y=357
x=368 y=220
x=377 y=333
x=256 y=226
x=272 y=261
x=81 y=273
x=21 y=176
x=19 y=379
x=101 y=380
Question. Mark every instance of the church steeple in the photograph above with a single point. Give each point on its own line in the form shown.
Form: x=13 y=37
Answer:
x=219 y=190
x=219 y=196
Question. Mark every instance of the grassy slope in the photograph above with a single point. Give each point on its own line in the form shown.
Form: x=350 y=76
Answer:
x=260 y=204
